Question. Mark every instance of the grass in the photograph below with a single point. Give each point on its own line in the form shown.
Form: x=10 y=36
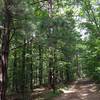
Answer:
x=50 y=95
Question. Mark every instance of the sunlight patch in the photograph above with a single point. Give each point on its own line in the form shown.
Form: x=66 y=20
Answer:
x=85 y=94
x=66 y=91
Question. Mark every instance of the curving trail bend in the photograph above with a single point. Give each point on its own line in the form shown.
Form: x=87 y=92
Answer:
x=81 y=90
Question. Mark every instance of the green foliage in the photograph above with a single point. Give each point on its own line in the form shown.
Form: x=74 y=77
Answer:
x=51 y=95
x=44 y=43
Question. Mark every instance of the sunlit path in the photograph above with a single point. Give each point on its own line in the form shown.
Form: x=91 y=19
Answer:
x=45 y=46
x=80 y=90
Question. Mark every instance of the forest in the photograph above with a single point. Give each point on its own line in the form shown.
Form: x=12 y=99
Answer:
x=49 y=49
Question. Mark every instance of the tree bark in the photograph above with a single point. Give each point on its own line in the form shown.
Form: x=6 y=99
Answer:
x=40 y=65
x=31 y=68
x=14 y=83
x=50 y=71
x=5 y=46
x=23 y=68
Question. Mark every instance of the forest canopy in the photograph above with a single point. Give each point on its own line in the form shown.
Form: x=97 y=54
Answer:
x=47 y=43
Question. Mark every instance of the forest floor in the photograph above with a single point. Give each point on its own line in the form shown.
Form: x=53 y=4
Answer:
x=78 y=90
x=81 y=90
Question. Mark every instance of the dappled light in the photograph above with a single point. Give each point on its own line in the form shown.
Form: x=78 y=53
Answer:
x=67 y=91
x=81 y=91
x=49 y=50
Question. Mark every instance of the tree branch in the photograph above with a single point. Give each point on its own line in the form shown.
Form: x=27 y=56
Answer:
x=26 y=43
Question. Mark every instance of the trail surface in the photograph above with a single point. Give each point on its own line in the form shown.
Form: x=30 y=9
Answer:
x=80 y=90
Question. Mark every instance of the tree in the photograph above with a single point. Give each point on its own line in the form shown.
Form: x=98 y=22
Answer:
x=5 y=44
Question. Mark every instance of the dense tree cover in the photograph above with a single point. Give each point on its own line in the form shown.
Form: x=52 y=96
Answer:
x=40 y=43
x=91 y=53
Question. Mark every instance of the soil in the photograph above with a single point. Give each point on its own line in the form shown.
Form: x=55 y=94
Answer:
x=80 y=90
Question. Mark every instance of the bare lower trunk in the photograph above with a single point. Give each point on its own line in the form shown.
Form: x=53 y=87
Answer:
x=4 y=57
x=40 y=65
x=5 y=46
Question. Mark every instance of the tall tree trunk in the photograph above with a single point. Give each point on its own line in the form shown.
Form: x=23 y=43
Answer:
x=54 y=70
x=78 y=67
x=14 y=82
x=61 y=76
x=31 y=68
x=5 y=45
x=67 y=74
x=50 y=71
x=23 y=68
x=40 y=65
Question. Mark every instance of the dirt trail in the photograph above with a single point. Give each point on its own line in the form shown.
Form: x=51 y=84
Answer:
x=80 y=90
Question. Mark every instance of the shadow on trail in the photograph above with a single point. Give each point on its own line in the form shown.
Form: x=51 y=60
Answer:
x=81 y=90
x=36 y=94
